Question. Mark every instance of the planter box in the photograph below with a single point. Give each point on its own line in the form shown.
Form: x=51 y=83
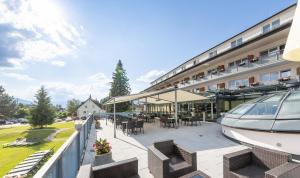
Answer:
x=103 y=159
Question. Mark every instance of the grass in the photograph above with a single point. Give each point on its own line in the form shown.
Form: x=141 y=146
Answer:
x=11 y=156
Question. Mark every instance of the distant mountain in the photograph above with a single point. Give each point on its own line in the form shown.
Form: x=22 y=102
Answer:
x=25 y=102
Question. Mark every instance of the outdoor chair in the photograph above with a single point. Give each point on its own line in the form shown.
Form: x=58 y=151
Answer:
x=140 y=125
x=259 y=163
x=130 y=127
x=168 y=160
x=121 y=169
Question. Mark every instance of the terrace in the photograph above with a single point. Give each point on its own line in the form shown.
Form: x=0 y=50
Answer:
x=205 y=139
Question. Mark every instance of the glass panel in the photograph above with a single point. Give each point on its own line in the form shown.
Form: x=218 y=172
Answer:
x=274 y=76
x=275 y=98
x=275 y=24
x=239 y=41
x=264 y=77
x=285 y=73
x=233 y=44
x=266 y=28
x=242 y=109
x=273 y=51
x=265 y=108
x=291 y=104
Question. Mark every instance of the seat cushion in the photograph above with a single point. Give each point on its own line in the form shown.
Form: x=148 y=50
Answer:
x=251 y=171
x=177 y=163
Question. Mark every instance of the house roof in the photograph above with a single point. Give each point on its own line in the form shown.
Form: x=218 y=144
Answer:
x=90 y=98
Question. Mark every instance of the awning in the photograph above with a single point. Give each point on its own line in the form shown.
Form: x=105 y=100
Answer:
x=159 y=97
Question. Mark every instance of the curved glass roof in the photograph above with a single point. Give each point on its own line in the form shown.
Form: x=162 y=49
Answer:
x=275 y=112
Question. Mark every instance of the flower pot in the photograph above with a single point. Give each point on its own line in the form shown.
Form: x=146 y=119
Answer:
x=78 y=126
x=103 y=159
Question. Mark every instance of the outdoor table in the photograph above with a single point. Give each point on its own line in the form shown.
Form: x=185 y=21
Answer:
x=196 y=174
x=171 y=121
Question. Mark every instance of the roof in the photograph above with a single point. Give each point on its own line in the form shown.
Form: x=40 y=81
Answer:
x=159 y=97
x=90 y=98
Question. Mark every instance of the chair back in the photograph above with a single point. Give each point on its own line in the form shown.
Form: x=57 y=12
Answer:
x=166 y=147
x=130 y=125
x=140 y=124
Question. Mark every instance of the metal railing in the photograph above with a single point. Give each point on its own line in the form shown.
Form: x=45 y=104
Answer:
x=67 y=159
x=263 y=61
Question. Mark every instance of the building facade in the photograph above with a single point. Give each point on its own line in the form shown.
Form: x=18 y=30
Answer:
x=249 y=60
x=88 y=108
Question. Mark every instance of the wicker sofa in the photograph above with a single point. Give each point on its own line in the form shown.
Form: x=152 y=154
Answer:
x=121 y=169
x=259 y=163
x=168 y=160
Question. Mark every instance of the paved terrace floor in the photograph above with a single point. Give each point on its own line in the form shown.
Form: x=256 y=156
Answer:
x=207 y=140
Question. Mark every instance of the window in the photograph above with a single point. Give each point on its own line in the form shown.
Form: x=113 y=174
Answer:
x=212 y=87
x=239 y=41
x=264 y=53
x=236 y=42
x=212 y=53
x=285 y=73
x=235 y=84
x=195 y=62
x=273 y=76
x=275 y=24
x=231 y=65
x=272 y=51
x=183 y=68
x=85 y=106
x=266 y=28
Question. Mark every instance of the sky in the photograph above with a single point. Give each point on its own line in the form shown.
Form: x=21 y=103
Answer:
x=72 y=46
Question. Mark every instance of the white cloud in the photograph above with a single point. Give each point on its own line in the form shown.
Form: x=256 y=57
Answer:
x=58 y=63
x=35 y=30
x=99 y=77
x=18 y=76
x=150 y=76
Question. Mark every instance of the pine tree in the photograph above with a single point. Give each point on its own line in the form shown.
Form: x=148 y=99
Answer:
x=8 y=105
x=120 y=86
x=42 y=113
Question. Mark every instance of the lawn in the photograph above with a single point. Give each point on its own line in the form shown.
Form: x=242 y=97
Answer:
x=10 y=157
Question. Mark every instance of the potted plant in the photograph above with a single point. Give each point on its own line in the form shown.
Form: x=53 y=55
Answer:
x=97 y=124
x=103 y=152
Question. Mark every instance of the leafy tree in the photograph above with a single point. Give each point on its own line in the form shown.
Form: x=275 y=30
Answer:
x=61 y=115
x=22 y=112
x=120 y=86
x=72 y=106
x=42 y=112
x=8 y=105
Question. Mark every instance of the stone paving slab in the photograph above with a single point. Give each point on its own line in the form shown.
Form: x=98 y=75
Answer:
x=207 y=140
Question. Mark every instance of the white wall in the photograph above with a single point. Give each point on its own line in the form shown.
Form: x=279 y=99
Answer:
x=88 y=108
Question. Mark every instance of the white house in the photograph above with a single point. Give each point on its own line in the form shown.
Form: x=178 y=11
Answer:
x=87 y=108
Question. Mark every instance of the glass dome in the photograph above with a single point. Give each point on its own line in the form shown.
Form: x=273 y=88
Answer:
x=276 y=112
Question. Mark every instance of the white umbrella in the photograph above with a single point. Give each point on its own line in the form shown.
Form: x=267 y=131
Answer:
x=292 y=48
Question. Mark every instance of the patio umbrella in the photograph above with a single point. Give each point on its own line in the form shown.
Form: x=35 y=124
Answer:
x=292 y=49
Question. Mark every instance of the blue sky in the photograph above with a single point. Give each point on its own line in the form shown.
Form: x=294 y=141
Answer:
x=72 y=46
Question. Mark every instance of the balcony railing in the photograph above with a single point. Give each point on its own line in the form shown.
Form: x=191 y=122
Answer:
x=67 y=159
x=248 y=66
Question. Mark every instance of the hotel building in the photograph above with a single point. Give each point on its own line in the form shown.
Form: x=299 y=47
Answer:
x=242 y=67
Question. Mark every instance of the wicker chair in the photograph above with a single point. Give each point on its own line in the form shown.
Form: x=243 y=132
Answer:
x=259 y=163
x=168 y=160
x=122 y=169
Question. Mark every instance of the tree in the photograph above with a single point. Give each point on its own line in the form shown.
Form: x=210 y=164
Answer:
x=72 y=106
x=120 y=86
x=8 y=105
x=22 y=112
x=42 y=112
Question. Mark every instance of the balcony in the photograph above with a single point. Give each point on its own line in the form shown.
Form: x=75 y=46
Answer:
x=259 y=63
